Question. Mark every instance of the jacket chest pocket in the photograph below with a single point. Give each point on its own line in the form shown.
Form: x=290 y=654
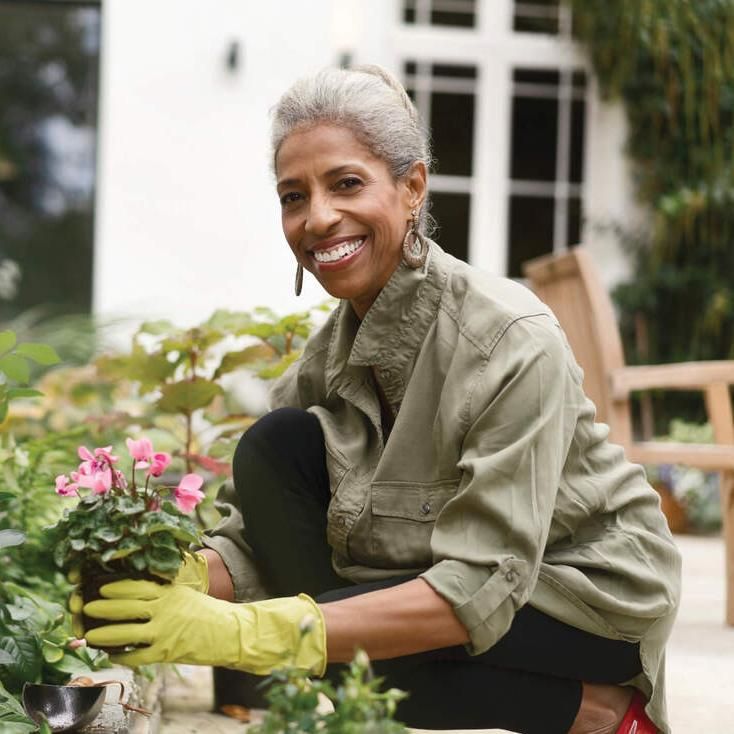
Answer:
x=403 y=515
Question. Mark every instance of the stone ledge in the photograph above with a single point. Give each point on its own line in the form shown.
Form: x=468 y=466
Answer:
x=140 y=692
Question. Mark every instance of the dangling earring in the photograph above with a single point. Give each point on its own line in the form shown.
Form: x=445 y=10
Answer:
x=299 y=279
x=415 y=245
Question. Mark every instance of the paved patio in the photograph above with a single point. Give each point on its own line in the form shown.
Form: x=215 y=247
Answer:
x=700 y=660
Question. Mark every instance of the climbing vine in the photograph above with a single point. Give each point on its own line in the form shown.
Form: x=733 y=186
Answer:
x=671 y=62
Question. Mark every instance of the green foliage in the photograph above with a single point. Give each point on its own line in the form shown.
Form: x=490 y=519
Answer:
x=123 y=533
x=34 y=639
x=28 y=503
x=672 y=64
x=12 y=717
x=182 y=370
x=359 y=706
x=15 y=368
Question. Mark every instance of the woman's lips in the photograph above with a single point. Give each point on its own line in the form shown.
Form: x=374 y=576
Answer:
x=344 y=260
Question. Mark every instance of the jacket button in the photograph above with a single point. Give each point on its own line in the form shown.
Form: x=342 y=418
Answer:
x=425 y=508
x=510 y=576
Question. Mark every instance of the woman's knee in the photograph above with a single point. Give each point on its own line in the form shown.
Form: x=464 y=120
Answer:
x=283 y=442
x=275 y=432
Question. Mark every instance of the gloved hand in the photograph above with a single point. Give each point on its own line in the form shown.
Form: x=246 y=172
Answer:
x=185 y=626
x=194 y=573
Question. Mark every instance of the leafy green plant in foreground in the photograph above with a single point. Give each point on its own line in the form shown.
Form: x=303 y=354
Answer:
x=358 y=705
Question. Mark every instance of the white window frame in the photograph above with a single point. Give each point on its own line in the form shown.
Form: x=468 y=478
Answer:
x=496 y=51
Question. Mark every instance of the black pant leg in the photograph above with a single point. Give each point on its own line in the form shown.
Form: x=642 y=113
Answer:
x=279 y=472
x=529 y=681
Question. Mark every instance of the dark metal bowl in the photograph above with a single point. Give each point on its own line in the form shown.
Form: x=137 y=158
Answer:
x=66 y=708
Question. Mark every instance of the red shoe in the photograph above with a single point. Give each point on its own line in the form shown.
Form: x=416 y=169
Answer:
x=635 y=721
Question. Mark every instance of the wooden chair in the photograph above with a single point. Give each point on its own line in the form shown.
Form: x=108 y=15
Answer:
x=569 y=283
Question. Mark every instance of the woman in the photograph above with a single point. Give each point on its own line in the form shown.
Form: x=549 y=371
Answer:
x=431 y=484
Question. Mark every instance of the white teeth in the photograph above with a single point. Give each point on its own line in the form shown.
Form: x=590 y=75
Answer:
x=343 y=250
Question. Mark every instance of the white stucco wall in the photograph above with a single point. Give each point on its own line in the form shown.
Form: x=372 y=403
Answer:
x=187 y=217
x=608 y=188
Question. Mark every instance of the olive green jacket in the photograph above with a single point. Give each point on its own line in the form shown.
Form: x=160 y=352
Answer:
x=495 y=483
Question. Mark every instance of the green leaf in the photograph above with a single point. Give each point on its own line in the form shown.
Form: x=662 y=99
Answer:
x=51 y=653
x=109 y=535
x=188 y=395
x=15 y=367
x=129 y=505
x=6 y=657
x=126 y=548
x=9 y=538
x=23 y=392
x=256 y=353
x=278 y=368
x=157 y=328
x=7 y=341
x=12 y=716
x=42 y=354
x=27 y=660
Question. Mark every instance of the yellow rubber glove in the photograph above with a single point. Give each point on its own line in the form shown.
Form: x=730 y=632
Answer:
x=186 y=626
x=194 y=573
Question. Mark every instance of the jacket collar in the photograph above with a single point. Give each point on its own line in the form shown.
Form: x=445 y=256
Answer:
x=393 y=329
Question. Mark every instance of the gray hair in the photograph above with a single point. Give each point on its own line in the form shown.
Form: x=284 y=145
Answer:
x=372 y=104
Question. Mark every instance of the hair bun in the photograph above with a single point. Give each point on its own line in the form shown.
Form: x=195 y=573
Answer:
x=391 y=81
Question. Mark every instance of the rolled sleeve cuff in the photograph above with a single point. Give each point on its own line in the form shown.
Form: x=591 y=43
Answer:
x=483 y=598
x=245 y=578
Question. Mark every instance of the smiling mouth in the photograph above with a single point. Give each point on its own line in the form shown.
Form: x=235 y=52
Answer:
x=339 y=252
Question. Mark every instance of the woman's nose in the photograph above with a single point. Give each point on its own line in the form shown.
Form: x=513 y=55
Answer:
x=322 y=216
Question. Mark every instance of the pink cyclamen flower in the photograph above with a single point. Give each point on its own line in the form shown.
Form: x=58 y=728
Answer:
x=120 y=480
x=140 y=450
x=104 y=454
x=102 y=482
x=64 y=487
x=159 y=463
x=85 y=454
x=188 y=494
x=99 y=481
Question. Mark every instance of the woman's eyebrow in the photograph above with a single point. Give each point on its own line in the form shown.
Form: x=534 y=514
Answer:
x=331 y=172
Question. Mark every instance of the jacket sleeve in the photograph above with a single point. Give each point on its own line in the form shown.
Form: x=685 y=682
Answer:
x=227 y=539
x=488 y=541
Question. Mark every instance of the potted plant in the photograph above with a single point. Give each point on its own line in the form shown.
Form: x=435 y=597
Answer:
x=124 y=527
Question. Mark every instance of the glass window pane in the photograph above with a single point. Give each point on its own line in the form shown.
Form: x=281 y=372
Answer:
x=451 y=212
x=551 y=77
x=534 y=139
x=49 y=55
x=457 y=13
x=574 y=222
x=531 y=230
x=536 y=16
x=454 y=71
x=452 y=128
x=456 y=20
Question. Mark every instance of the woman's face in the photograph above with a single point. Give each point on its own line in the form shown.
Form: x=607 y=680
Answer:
x=343 y=214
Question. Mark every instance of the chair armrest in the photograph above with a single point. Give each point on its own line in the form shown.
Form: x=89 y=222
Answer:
x=679 y=376
x=708 y=457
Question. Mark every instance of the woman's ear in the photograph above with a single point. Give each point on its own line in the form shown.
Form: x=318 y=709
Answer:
x=416 y=183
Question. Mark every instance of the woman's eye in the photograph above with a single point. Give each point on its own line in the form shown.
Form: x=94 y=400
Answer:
x=289 y=198
x=349 y=183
